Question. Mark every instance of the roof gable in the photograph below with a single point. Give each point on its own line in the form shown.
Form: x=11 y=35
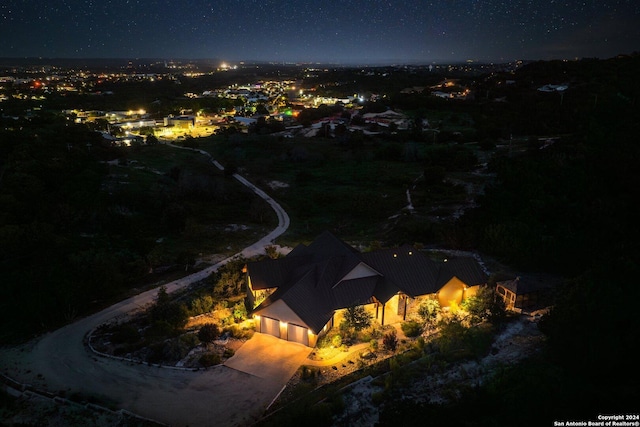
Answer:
x=281 y=311
x=359 y=271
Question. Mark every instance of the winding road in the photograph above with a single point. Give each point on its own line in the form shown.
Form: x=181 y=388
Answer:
x=59 y=362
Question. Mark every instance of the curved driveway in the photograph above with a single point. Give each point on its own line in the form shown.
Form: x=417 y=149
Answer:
x=59 y=362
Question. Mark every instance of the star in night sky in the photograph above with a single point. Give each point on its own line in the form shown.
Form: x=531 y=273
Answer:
x=347 y=32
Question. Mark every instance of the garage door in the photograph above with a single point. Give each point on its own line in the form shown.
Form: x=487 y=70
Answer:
x=297 y=333
x=270 y=326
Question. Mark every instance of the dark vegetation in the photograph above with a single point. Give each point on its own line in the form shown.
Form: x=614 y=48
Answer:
x=76 y=232
x=569 y=208
x=320 y=403
x=168 y=330
x=352 y=190
x=67 y=245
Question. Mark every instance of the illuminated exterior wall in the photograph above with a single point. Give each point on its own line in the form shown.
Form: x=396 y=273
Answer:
x=471 y=291
x=451 y=292
x=415 y=303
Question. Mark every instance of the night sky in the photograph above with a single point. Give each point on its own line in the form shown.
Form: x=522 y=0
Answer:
x=345 y=31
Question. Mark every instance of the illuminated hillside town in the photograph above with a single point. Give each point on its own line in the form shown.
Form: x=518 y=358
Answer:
x=241 y=104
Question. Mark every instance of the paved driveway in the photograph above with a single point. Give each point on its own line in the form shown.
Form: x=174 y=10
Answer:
x=269 y=358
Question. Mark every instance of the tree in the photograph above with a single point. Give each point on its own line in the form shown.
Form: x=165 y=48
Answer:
x=165 y=310
x=261 y=109
x=484 y=305
x=272 y=252
x=411 y=328
x=208 y=333
x=452 y=333
x=390 y=341
x=229 y=279
x=357 y=317
x=239 y=312
x=152 y=140
x=428 y=311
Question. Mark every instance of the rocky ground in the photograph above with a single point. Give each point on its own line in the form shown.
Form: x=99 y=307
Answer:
x=519 y=340
x=30 y=409
x=187 y=349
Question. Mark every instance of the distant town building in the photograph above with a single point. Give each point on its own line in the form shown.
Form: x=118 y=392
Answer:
x=184 y=122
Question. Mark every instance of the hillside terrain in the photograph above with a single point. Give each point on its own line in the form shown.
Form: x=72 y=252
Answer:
x=541 y=181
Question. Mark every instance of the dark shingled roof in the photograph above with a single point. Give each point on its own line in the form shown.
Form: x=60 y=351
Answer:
x=466 y=269
x=352 y=292
x=406 y=269
x=521 y=286
x=267 y=273
x=311 y=279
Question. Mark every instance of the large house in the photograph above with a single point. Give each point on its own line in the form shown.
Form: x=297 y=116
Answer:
x=297 y=297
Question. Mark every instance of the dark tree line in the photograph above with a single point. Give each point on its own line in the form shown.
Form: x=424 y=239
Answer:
x=571 y=208
x=72 y=237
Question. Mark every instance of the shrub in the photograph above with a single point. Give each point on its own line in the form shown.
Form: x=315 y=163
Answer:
x=364 y=336
x=373 y=345
x=239 y=312
x=271 y=251
x=308 y=373
x=221 y=305
x=376 y=332
x=159 y=329
x=357 y=317
x=169 y=311
x=428 y=311
x=190 y=340
x=388 y=382
x=236 y=331
x=229 y=279
x=394 y=365
x=125 y=334
x=228 y=352
x=324 y=341
x=155 y=353
x=390 y=341
x=208 y=332
x=174 y=350
x=452 y=333
x=201 y=305
x=377 y=398
x=336 y=341
x=209 y=359
x=411 y=328
x=485 y=305
x=478 y=341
